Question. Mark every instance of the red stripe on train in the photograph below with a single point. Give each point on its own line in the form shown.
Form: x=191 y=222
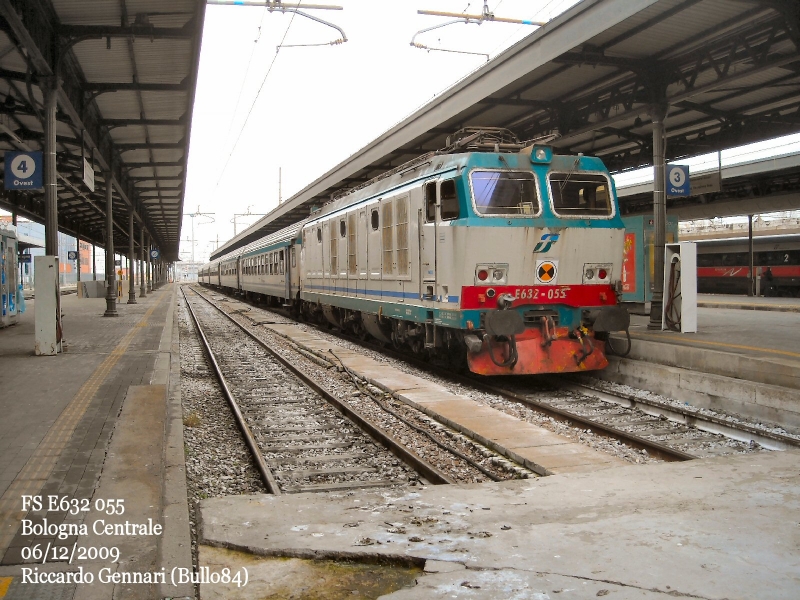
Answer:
x=777 y=271
x=569 y=295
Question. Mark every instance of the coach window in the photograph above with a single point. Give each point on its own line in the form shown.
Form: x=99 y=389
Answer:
x=319 y=235
x=375 y=219
x=294 y=258
x=507 y=193
x=342 y=228
x=580 y=194
x=280 y=258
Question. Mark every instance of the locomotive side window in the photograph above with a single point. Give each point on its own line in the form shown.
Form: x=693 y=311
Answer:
x=430 y=202
x=580 y=194
x=375 y=219
x=449 y=200
x=504 y=192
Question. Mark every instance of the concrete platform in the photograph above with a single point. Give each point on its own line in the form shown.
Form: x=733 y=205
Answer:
x=95 y=423
x=748 y=302
x=540 y=450
x=656 y=531
x=741 y=359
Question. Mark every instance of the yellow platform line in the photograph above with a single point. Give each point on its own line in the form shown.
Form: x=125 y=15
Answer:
x=37 y=469
x=4 y=583
x=700 y=343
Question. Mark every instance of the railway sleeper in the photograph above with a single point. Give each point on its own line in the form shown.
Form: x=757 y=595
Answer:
x=301 y=449
x=328 y=471
x=342 y=485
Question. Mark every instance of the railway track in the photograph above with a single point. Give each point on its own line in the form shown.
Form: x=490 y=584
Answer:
x=658 y=430
x=302 y=437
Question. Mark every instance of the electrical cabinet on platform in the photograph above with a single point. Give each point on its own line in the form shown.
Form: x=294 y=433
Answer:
x=679 y=312
x=47 y=308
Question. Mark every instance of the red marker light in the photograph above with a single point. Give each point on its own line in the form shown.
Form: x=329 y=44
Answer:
x=602 y=273
x=483 y=275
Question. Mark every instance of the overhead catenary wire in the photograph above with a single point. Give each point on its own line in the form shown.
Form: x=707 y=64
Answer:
x=246 y=73
x=250 y=112
x=271 y=6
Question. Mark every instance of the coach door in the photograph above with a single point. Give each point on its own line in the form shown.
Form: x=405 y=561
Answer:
x=428 y=225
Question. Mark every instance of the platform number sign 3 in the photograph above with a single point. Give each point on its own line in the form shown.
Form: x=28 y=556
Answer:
x=23 y=170
x=678 y=181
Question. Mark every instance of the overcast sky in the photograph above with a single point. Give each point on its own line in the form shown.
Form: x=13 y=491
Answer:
x=318 y=105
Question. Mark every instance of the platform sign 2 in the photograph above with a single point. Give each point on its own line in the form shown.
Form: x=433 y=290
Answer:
x=23 y=171
x=678 y=183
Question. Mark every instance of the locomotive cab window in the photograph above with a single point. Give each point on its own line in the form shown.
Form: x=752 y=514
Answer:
x=580 y=194
x=504 y=193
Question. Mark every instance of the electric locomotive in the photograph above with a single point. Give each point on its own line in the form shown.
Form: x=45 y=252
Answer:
x=492 y=254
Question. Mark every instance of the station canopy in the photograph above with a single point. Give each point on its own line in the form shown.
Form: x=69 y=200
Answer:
x=727 y=71
x=126 y=73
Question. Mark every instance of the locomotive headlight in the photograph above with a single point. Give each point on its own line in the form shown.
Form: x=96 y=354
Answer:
x=596 y=273
x=491 y=274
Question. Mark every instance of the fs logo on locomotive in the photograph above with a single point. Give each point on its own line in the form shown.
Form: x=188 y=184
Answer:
x=548 y=239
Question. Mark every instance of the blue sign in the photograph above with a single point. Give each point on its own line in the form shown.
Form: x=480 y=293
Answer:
x=678 y=184
x=72 y=254
x=23 y=171
x=24 y=258
x=154 y=254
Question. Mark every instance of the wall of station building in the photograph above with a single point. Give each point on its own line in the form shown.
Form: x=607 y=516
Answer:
x=66 y=243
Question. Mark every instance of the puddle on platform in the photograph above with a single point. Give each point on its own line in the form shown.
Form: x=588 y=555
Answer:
x=301 y=579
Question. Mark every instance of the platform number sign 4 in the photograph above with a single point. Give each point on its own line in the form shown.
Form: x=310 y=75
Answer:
x=23 y=171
